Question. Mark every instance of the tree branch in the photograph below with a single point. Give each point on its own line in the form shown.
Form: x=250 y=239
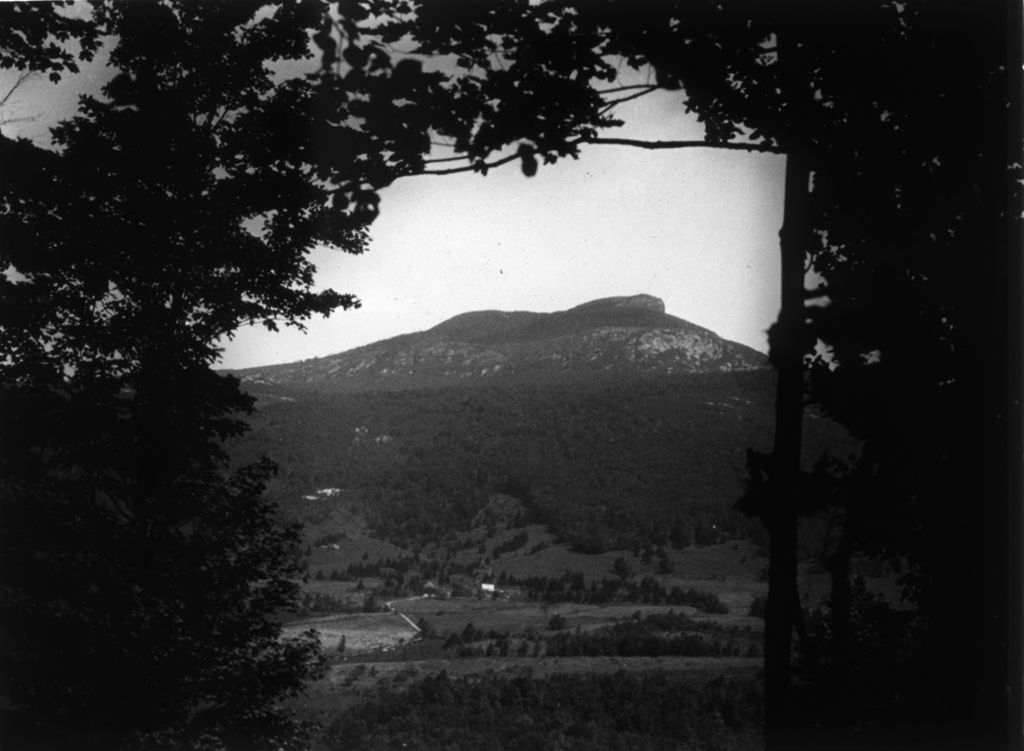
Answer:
x=633 y=87
x=755 y=147
x=477 y=166
x=474 y=167
x=608 y=105
x=23 y=77
x=439 y=160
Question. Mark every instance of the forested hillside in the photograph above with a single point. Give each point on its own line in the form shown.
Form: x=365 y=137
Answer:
x=607 y=464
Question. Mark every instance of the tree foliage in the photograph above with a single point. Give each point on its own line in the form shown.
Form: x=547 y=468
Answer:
x=36 y=36
x=140 y=576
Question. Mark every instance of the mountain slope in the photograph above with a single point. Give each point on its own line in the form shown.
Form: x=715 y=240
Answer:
x=614 y=336
x=606 y=465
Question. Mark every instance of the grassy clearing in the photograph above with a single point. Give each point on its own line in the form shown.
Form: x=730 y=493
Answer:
x=363 y=632
x=446 y=616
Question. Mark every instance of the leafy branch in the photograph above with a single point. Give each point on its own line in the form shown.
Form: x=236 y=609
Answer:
x=483 y=166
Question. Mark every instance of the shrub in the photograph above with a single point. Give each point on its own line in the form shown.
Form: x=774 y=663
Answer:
x=758 y=605
x=621 y=568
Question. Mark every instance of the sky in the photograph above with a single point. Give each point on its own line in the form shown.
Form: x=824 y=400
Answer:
x=697 y=228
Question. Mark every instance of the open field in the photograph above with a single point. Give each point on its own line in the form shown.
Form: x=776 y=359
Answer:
x=363 y=632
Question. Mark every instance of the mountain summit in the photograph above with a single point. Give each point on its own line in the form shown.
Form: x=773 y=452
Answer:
x=613 y=336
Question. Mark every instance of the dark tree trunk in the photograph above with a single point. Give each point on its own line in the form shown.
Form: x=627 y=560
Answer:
x=839 y=571
x=987 y=508
x=786 y=352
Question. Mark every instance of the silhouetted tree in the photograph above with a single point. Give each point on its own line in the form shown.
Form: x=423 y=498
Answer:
x=922 y=322
x=138 y=574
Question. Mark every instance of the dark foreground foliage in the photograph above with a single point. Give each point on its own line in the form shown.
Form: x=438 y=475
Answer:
x=619 y=711
x=138 y=573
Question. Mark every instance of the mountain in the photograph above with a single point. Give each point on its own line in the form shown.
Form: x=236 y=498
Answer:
x=613 y=423
x=612 y=336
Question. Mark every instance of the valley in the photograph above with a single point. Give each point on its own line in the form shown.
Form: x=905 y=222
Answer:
x=471 y=637
x=474 y=637
x=561 y=521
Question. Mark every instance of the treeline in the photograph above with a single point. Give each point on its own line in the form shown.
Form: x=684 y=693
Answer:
x=572 y=587
x=607 y=465
x=647 y=712
x=654 y=635
x=411 y=572
x=410 y=576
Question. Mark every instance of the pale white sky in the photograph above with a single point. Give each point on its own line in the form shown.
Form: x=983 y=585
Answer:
x=695 y=227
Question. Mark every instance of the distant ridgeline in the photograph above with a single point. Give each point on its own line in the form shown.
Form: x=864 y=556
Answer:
x=641 y=437
x=614 y=336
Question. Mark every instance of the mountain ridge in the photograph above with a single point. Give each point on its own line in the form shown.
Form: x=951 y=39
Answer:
x=609 y=336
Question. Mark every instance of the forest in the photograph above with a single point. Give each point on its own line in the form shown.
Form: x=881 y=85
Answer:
x=567 y=712
x=608 y=465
